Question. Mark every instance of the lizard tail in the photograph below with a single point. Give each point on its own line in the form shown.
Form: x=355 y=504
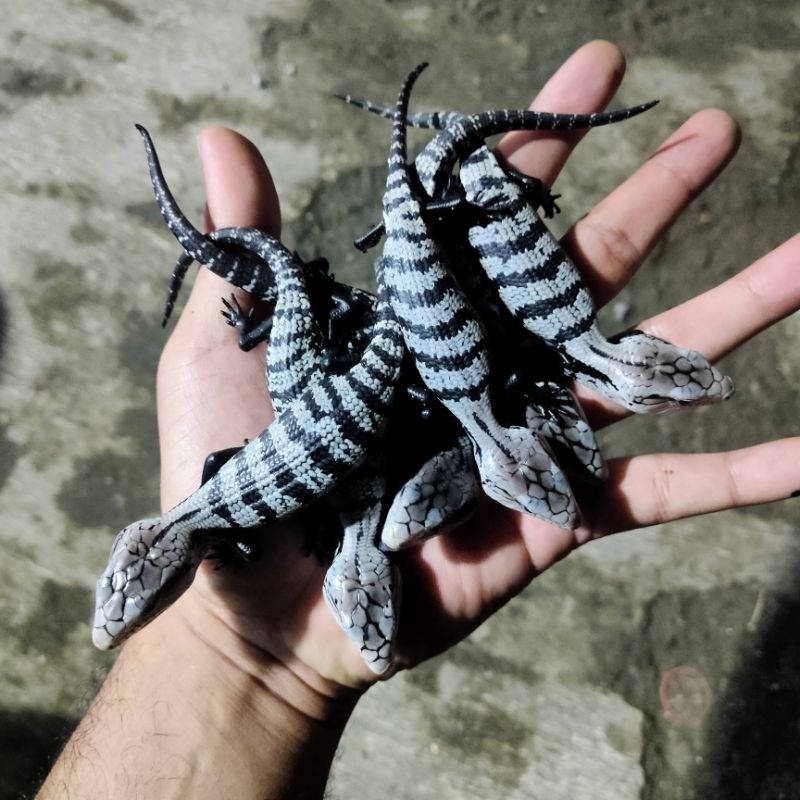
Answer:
x=398 y=149
x=235 y=269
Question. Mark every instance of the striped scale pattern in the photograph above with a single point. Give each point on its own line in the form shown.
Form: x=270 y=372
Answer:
x=449 y=346
x=540 y=285
x=523 y=393
x=296 y=345
x=461 y=134
x=440 y=496
x=322 y=441
x=237 y=271
x=318 y=439
x=535 y=277
x=361 y=585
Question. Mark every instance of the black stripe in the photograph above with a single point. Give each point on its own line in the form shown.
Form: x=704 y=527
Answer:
x=528 y=234
x=546 y=270
x=540 y=309
x=223 y=511
x=499 y=445
x=456 y=361
x=411 y=235
x=445 y=328
x=365 y=393
x=578 y=367
x=457 y=393
x=428 y=297
x=573 y=331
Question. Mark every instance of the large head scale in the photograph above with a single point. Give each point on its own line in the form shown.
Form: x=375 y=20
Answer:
x=150 y=566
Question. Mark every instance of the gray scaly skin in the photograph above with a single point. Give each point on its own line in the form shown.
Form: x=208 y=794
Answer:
x=541 y=286
x=559 y=418
x=461 y=134
x=438 y=497
x=361 y=585
x=444 y=489
x=542 y=405
x=450 y=349
x=320 y=437
x=557 y=415
x=569 y=426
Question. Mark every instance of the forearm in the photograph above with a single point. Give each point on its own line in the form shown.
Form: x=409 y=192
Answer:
x=178 y=718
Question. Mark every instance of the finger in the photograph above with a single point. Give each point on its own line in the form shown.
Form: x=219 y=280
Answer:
x=718 y=321
x=651 y=489
x=724 y=317
x=211 y=395
x=239 y=191
x=239 y=186
x=584 y=83
x=611 y=242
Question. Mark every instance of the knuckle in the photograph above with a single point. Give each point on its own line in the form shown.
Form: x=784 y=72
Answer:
x=616 y=249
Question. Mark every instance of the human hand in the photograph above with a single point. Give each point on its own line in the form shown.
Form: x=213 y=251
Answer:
x=211 y=396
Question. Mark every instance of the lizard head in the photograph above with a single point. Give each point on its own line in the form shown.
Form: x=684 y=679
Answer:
x=659 y=375
x=150 y=566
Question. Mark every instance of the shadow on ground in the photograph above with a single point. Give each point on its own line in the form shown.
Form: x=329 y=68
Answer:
x=35 y=740
x=721 y=702
x=754 y=729
x=3 y=330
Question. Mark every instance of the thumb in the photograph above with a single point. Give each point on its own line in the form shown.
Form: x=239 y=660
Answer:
x=239 y=186
x=239 y=192
x=211 y=395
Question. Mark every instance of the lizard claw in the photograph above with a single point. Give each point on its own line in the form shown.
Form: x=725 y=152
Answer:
x=549 y=205
x=235 y=315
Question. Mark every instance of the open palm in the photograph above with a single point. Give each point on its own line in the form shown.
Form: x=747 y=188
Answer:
x=212 y=396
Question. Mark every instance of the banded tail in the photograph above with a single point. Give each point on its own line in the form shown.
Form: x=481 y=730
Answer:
x=450 y=348
x=460 y=134
x=236 y=270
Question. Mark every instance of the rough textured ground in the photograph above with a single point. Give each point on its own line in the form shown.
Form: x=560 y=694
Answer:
x=661 y=665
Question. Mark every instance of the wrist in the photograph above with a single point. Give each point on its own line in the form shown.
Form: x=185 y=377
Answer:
x=190 y=711
x=274 y=730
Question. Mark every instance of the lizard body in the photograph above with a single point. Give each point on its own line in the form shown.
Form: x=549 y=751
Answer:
x=536 y=279
x=540 y=285
x=321 y=436
x=450 y=349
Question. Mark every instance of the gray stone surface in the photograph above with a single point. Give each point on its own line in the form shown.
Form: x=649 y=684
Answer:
x=658 y=665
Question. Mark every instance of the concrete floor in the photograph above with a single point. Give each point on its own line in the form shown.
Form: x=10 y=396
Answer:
x=660 y=665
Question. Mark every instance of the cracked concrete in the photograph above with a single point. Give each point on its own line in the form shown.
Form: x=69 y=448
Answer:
x=659 y=665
